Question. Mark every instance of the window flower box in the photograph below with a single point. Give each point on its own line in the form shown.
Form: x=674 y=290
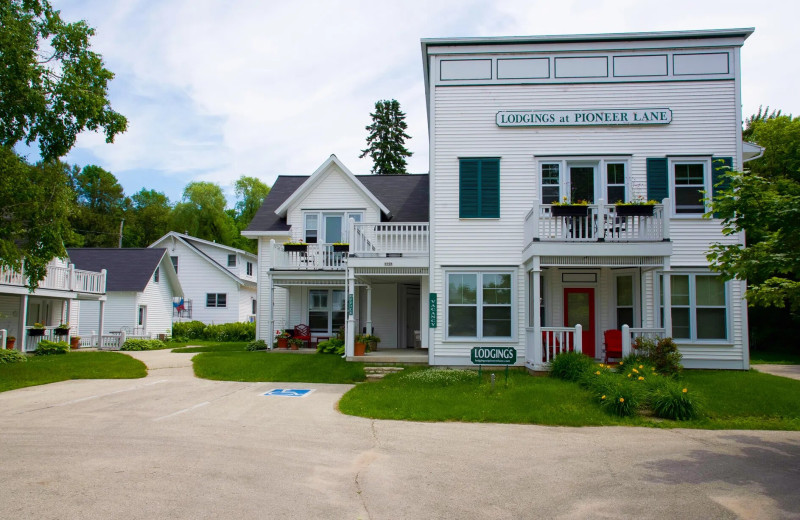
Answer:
x=634 y=210
x=341 y=248
x=295 y=247
x=34 y=333
x=570 y=210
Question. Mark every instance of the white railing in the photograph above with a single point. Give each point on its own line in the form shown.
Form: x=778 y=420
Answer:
x=60 y=279
x=313 y=257
x=382 y=239
x=542 y=348
x=629 y=335
x=596 y=223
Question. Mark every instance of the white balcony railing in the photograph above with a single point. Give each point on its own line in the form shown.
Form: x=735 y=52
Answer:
x=600 y=223
x=60 y=279
x=629 y=335
x=388 y=239
x=542 y=348
x=313 y=257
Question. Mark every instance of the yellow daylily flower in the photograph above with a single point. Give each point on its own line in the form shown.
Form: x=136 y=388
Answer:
x=641 y=378
x=685 y=390
x=621 y=399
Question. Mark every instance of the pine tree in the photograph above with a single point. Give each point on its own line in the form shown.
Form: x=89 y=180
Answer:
x=385 y=143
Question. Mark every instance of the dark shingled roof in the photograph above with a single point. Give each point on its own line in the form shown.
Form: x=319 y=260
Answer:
x=406 y=196
x=128 y=269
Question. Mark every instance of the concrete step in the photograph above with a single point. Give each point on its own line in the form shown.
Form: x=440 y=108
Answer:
x=377 y=373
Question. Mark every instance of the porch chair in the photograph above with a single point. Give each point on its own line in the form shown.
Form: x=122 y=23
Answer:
x=303 y=332
x=612 y=339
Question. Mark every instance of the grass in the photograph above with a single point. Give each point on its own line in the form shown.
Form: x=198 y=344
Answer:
x=275 y=366
x=201 y=345
x=732 y=400
x=775 y=357
x=75 y=365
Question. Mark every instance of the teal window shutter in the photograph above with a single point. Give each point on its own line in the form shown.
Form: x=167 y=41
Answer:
x=657 y=178
x=479 y=188
x=719 y=167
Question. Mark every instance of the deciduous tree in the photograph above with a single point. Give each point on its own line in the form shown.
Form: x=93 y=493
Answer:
x=202 y=214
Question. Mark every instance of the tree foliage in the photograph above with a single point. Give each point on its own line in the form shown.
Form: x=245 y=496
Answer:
x=250 y=193
x=147 y=219
x=386 y=139
x=52 y=86
x=101 y=205
x=201 y=213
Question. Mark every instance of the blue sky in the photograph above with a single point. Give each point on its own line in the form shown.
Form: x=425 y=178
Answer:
x=214 y=90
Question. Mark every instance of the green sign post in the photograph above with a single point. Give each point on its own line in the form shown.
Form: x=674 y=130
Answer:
x=349 y=304
x=493 y=356
x=432 y=310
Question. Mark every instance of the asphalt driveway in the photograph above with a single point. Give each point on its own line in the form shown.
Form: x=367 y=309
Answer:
x=173 y=446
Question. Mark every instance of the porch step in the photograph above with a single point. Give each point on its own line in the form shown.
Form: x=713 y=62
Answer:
x=377 y=373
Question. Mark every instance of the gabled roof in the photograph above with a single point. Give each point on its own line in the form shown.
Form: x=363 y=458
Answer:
x=129 y=269
x=317 y=176
x=406 y=196
x=191 y=241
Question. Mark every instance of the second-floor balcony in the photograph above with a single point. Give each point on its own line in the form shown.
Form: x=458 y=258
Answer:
x=597 y=223
x=367 y=242
x=60 y=279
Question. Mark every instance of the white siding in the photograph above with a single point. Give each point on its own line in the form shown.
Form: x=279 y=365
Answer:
x=9 y=314
x=120 y=311
x=384 y=313
x=157 y=296
x=247 y=296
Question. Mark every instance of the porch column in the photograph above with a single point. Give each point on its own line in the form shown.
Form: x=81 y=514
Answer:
x=269 y=338
x=369 y=309
x=23 y=318
x=667 y=297
x=66 y=311
x=536 y=297
x=424 y=310
x=100 y=325
x=350 y=328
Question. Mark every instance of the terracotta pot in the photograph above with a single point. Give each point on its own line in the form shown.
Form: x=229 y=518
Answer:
x=283 y=342
x=293 y=347
x=74 y=342
x=10 y=343
x=360 y=348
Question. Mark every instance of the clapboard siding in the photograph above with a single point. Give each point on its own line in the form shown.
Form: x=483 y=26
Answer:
x=120 y=311
x=384 y=313
x=157 y=297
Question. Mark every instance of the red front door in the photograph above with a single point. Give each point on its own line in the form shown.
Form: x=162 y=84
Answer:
x=579 y=309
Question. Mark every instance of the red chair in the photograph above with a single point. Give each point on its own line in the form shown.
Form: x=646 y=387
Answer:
x=612 y=339
x=303 y=332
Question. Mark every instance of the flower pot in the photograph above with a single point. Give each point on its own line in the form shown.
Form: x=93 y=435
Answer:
x=570 y=211
x=283 y=342
x=360 y=347
x=341 y=248
x=373 y=346
x=35 y=332
x=634 y=210
x=294 y=346
x=10 y=342
x=295 y=248
x=74 y=342
x=61 y=332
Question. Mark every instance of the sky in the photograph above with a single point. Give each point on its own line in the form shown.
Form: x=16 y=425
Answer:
x=215 y=89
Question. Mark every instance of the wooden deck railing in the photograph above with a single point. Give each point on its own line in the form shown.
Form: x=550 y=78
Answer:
x=60 y=279
x=382 y=239
x=543 y=347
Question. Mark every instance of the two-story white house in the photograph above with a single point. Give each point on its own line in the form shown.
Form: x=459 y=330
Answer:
x=219 y=282
x=56 y=301
x=377 y=282
x=520 y=124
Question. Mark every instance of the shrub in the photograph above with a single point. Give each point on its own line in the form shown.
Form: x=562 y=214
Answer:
x=142 y=344
x=49 y=348
x=571 y=366
x=12 y=356
x=664 y=354
x=331 y=346
x=258 y=344
x=188 y=330
x=237 y=331
x=671 y=400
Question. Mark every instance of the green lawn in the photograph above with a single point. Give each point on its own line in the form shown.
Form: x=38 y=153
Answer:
x=276 y=366
x=208 y=346
x=732 y=400
x=75 y=365
x=775 y=357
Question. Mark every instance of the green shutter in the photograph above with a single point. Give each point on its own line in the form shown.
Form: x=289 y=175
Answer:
x=657 y=179
x=468 y=184
x=719 y=167
x=490 y=188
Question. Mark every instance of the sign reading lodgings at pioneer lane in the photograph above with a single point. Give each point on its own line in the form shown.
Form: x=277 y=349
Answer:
x=593 y=117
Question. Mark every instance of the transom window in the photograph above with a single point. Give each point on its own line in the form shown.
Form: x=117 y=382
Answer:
x=326 y=310
x=581 y=179
x=698 y=306
x=479 y=305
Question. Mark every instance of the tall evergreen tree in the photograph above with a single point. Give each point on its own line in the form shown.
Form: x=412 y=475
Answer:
x=101 y=206
x=386 y=139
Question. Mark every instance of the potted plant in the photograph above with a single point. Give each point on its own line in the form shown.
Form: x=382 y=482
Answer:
x=283 y=339
x=568 y=209
x=295 y=247
x=62 y=329
x=340 y=247
x=295 y=343
x=372 y=342
x=10 y=342
x=637 y=207
x=74 y=342
x=360 y=346
x=37 y=330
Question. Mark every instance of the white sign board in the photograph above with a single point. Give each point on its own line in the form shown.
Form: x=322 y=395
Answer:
x=593 y=117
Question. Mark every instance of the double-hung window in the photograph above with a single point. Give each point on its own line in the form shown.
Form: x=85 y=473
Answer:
x=231 y=260
x=479 y=188
x=615 y=183
x=479 y=305
x=690 y=185
x=551 y=183
x=216 y=300
x=699 y=310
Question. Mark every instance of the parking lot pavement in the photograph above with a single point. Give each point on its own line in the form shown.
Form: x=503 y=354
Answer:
x=173 y=446
x=790 y=371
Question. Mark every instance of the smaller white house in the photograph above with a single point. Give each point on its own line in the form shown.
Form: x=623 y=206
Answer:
x=141 y=285
x=219 y=282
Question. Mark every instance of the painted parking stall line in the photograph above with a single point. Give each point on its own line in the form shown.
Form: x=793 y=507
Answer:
x=288 y=392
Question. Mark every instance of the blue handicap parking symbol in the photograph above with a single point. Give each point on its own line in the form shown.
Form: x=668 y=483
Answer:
x=288 y=392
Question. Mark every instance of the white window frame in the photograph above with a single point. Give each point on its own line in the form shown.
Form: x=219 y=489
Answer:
x=706 y=162
x=479 y=304
x=693 y=308
x=357 y=214
x=600 y=174
x=637 y=318
x=329 y=308
x=232 y=260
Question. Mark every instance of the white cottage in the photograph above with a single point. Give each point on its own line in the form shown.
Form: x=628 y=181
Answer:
x=521 y=124
x=140 y=288
x=378 y=283
x=219 y=282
